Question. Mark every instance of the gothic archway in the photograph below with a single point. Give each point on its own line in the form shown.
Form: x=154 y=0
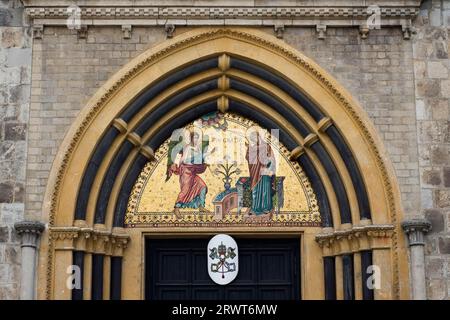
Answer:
x=257 y=76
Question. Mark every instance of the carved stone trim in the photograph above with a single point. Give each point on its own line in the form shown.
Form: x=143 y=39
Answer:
x=195 y=12
x=321 y=31
x=223 y=13
x=170 y=29
x=279 y=30
x=355 y=239
x=29 y=232
x=126 y=31
x=415 y=230
x=95 y=240
x=38 y=31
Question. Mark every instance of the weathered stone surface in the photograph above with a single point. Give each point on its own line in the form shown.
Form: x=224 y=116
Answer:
x=432 y=177
x=444 y=245
x=447 y=177
x=6 y=192
x=12 y=254
x=15 y=131
x=11 y=213
x=9 y=291
x=437 y=220
x=428 y=88
x=436 y=290
x=435 y=268
x=12 y=37
x=4 y=234
x=442 y=198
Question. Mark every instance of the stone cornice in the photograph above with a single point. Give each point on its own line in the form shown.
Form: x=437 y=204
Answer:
x=355 y=239
x=251 y=13
x=94 y=240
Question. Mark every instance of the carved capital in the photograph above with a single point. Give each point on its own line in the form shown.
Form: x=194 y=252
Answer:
x=38 y=31
x=355 y=239
x=364 y=31
x=415 y=230
x=64 y=237
x=82 y=32
x=119 y=242
x=279 y=30
x=126 y=31
x=170 y=29
x=29 y=232
x=321 y=31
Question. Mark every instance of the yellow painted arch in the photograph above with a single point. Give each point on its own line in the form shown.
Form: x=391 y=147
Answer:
x=143 y=71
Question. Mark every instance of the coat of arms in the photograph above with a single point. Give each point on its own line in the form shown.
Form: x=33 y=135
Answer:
x=223 y=259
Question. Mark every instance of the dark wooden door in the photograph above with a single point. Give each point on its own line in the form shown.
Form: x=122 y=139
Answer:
x=177 y=269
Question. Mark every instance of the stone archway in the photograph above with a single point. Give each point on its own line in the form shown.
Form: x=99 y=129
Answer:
x=325 y=130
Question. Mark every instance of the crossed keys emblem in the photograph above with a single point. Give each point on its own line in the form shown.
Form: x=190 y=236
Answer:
x=223 y=254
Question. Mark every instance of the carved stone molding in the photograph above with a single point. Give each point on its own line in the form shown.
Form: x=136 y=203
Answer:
x=415 y=230
x=321 y=31
x=279 y=30
x=170 y=29
x=355 y=239
x=94 y=240
x=352 y=13
x=29 y=232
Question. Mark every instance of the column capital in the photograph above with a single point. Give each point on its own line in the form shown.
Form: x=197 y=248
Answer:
x=415 y=229
x=29 y=232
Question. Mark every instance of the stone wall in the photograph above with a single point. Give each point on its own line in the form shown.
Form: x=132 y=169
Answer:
x=403 y=85
x=378 y=72
x=67 y=71
x=431 y=55
x=15 y=76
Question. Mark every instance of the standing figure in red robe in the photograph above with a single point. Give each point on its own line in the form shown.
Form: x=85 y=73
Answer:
x=189 y=163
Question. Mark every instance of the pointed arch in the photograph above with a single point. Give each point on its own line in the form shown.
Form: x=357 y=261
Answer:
x=259 y=77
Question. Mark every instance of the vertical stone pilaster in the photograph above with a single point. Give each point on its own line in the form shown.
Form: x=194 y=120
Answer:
x=30 y=232
x=415 y=230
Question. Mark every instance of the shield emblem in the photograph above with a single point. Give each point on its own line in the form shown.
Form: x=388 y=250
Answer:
x=223 y=259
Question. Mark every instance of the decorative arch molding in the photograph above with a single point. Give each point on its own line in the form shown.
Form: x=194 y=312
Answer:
x=240 y=70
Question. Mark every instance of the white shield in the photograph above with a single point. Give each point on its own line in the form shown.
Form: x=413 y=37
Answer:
x=223 y=259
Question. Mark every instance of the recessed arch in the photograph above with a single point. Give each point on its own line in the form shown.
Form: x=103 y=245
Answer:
x=329 y=135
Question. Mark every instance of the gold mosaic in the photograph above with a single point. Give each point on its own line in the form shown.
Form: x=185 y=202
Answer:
x=213 y=180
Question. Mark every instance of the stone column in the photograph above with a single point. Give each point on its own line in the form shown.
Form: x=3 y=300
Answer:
x=415 y=230
x=29 y=232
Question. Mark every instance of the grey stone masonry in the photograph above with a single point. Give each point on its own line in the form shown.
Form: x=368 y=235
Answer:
x=15 y=79
x=403 y=85
x=432 y=90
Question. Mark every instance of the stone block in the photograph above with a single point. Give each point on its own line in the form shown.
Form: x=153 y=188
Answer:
x=15 y=131
x=4 y=234
x=446 y=175
x=11 y=213
x=439 y=155
x=442 y=198
x=436 y=289
x=9 y=291
x=436 y=218
x=12 y=254
x=18 y=57
x=437 y=69
x=428 y=88
x=444 y=245
x=12 y=38
x=445 y=88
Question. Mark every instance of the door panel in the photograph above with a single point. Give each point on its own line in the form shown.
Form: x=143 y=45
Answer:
x=176 y=269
